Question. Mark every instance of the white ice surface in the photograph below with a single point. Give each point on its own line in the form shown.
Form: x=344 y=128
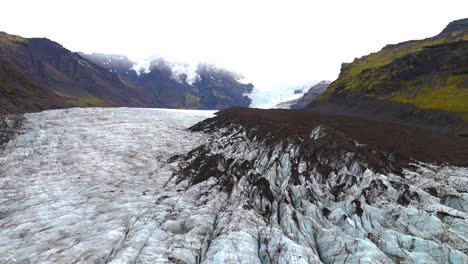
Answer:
x=264 y=96
x=86 y=185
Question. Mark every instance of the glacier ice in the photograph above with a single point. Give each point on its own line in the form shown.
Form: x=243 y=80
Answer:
x=88 y=185
x=122 y=185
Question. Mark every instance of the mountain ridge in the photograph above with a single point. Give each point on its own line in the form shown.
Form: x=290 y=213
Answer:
x=38 y=74
x=408 y=78
x=212 y=88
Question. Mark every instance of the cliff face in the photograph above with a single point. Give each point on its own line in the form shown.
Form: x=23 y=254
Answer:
x=424 y=82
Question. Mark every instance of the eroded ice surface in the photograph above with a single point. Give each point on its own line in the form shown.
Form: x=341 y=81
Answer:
x=88 y=185
x=320 y=200
x=105 y=186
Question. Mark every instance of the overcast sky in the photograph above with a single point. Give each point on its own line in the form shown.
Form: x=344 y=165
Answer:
x=270 y=42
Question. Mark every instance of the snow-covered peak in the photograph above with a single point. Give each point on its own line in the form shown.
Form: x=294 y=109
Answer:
x=142 y=65
x=181 y=72
x=179 y=69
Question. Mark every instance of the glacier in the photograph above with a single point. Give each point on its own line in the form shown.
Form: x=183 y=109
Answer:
x=120 y=185
x=269 y=95
x=88 y=185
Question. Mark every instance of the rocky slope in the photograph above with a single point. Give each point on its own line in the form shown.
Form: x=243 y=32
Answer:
x=421 y=82
x=38 y=74
x=248 y=186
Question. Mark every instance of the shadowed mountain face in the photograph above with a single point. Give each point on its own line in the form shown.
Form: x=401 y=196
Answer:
x=220 y=88
x=423 y=82
x=38 y=74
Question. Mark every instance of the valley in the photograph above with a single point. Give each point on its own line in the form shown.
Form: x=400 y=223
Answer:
x=108 y=160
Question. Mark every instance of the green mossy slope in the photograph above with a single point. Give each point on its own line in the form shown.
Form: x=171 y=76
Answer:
x=429 y=74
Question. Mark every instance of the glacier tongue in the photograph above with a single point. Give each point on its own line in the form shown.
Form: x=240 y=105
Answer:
x=134 y=186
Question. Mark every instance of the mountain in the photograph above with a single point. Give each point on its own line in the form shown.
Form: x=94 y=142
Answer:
x=213 y=88
x=38 y=74
x=127 y=185
x=220 y=88
x=167 y=86
x=420 y=82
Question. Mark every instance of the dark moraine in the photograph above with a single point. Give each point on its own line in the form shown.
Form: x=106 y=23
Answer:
x=405 y=141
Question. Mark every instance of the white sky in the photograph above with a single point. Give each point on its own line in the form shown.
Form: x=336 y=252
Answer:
x=270 y=42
